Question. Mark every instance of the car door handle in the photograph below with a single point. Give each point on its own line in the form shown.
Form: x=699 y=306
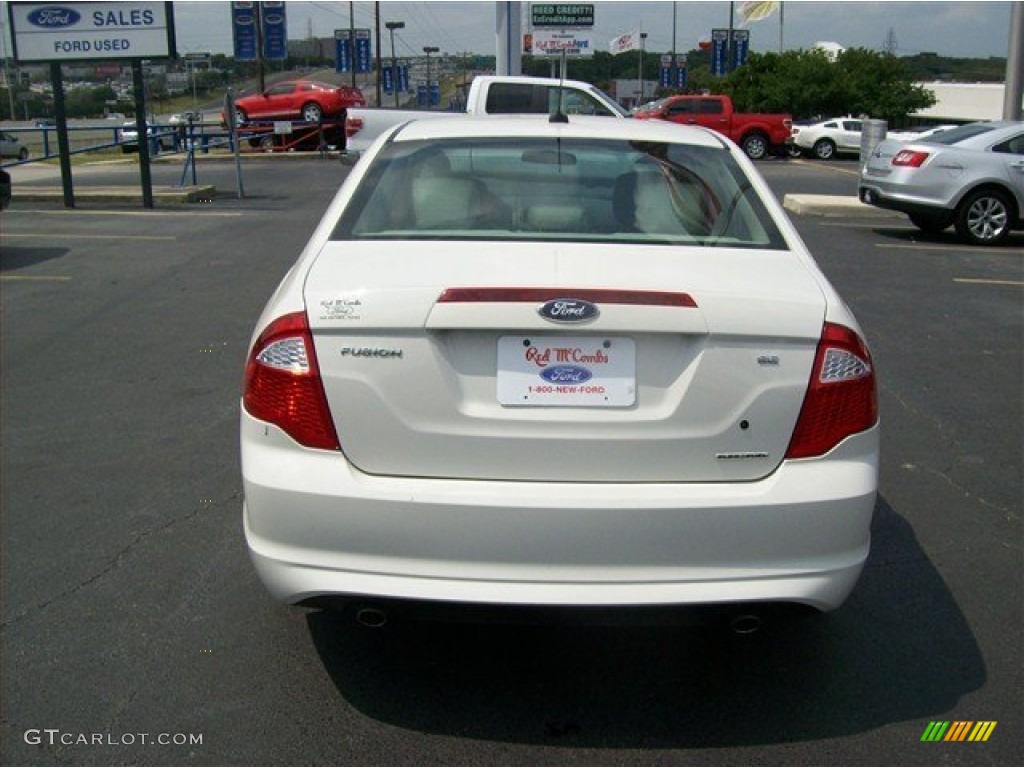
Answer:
x=1018 y=164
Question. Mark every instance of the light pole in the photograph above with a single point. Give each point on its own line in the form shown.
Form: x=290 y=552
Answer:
x=429 y=49
x=640 y=98
x=391 y=27
x=191 y=64
x=7 y=72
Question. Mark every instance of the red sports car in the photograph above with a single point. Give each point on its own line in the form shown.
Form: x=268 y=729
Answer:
x=307 y=100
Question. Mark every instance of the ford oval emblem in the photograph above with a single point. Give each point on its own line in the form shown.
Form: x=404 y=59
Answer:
x=566 y=374
x=568 y=310
x=54 y=17
x=273 y=18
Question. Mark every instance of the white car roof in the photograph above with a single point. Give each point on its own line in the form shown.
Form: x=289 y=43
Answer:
x=539 y=126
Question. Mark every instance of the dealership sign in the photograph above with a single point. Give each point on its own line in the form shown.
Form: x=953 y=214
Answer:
x=59 y=31
x=275 y=30
x=552 y=42
x=562 y=15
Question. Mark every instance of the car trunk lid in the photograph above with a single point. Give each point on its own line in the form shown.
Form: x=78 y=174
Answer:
x=457 y=359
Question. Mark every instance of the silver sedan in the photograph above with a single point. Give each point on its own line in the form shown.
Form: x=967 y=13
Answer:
x=12 y=146
x=970 y=177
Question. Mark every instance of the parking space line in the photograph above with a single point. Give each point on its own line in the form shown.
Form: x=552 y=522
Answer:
x=38 y=278
x=941 y=247
x=817 y=165
x=886 y=223
x=55 y=236
x=76 y=212
x=983 y=281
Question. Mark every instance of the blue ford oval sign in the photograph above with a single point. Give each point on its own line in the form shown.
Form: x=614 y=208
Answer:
x=566 y=374
x=54 y=17
x=568 y=310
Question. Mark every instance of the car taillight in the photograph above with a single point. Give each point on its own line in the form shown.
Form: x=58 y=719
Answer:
x=909 y=158
x=283 y=386
x=841 y=399
x=353 y=125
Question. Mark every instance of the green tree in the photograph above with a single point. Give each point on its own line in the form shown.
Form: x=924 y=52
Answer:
x=808 y=84
x=87 y=102
x=877 y=85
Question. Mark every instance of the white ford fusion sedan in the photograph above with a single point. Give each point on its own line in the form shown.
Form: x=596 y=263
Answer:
x=535 y=363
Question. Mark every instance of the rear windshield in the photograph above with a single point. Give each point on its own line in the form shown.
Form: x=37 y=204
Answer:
x=560 y=190
x=956 y=135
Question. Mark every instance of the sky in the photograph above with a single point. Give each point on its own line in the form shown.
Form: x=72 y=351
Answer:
x=951 y=27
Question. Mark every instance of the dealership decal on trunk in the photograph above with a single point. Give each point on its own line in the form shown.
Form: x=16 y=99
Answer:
x=341 y=309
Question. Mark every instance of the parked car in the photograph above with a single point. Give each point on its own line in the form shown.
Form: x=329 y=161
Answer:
x=306 y=100
x=5 y=189
x=128 y=137
x=827 y=138
x=970 y=177
x=12 y=146
x=759 y=134
x=583 y=363
x=45 y=122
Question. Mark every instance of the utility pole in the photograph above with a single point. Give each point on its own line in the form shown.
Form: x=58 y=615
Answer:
x=890 y=45
x=376 y=34
x=674 y=69
x=7 y=72
x=1015 y=64
x=729 y=42
x=640 y=77
x=352 y=40
x=391 y=27
x=258 y=21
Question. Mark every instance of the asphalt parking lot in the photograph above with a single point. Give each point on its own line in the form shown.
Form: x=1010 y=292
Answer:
x=135 y=631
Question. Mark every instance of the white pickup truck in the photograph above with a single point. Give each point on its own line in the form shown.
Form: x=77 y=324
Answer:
x=490 y=95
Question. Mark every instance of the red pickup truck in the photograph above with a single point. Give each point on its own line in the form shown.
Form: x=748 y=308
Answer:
x=757 y=134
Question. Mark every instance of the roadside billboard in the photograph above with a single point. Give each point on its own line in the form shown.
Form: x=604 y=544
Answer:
x=562 y=15
x=56 y=32
x=554 y=42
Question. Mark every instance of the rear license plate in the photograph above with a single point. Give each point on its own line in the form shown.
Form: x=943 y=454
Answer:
x=567 y=371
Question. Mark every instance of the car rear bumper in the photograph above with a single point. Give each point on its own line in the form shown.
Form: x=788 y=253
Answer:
x=878 y=196
x=316 y=527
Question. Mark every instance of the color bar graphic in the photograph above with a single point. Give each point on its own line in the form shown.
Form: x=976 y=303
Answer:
x=959 y=730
